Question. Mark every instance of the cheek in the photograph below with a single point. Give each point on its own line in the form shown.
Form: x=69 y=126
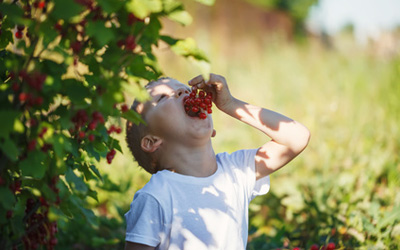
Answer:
x=166 y=115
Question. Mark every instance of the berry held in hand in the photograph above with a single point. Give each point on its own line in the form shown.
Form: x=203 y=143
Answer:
x=198 y=104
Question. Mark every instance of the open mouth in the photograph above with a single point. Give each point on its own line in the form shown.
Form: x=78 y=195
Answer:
x=198 y=104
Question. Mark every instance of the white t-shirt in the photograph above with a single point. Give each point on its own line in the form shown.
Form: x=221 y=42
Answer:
x=174 y=211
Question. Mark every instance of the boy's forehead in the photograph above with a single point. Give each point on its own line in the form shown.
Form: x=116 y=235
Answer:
x=163 y=86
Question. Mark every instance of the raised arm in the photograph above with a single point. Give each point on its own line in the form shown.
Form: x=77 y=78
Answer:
x=288 y=137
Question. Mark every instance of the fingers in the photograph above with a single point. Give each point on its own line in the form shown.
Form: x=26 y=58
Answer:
x=196 y=80
x=214 y=79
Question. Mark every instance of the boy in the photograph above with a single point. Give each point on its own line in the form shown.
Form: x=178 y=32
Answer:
x=196 y=199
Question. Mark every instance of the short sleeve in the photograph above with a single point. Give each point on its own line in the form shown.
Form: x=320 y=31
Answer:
x=245 y=172
x=144 y=220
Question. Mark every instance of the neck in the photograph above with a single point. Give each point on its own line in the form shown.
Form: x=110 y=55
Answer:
x=197 y=161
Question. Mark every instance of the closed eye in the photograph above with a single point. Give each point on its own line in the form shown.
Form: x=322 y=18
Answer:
x=161 y=97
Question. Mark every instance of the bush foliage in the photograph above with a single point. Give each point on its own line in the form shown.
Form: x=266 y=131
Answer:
x=66 y=68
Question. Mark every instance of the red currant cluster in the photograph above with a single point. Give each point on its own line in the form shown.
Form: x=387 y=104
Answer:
x=196 y=105
x=31 y=96
x=39 y=230
x=115 y=129
x=110 y=156
x=81 y=120
x=128 y=44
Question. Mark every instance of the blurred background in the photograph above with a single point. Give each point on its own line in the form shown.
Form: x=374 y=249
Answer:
x=333 y=65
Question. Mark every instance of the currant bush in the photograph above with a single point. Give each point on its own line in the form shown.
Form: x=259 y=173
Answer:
x=64 y=66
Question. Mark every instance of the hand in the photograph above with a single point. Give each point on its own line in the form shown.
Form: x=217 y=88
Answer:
x=217 y=85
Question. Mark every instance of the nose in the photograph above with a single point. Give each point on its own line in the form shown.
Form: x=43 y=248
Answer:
x=181 y=91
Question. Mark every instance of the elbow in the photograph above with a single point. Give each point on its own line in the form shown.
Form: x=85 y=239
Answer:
x=302 y=140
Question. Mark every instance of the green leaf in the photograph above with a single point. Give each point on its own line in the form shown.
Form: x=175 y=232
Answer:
x=143 y=8
x=206 y=2
x=7 y=118
x=110 y=6
x=5 y=38
x=169 y=40
x=66 y=9
x=33 y=165
x=47 y=32
x=76 y=91
x=181 y=16
x=93 y=194
x=115 y=145
x=61 y=144
x=75 y=181
x=10 y=149
x=14 y=13
x=7 y=198
x=88 y=174
x=150 y=35
x=100 y=147
x=96 y=171
x=188 y=48
x=100 y=32
x=203 y=66
x=133 y=116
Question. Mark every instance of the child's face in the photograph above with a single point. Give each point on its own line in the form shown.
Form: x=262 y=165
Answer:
x=166 y=116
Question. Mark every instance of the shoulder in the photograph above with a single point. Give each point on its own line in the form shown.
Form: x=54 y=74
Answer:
x=239 y=157
x=156 y=188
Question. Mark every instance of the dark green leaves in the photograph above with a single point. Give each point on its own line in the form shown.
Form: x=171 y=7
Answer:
x=66 y=9
x=101 y=34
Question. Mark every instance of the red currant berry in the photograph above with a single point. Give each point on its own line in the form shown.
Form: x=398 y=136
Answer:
x=314 y=247
x=92 y=125
x=41 y=4
x=130 y=43
x=39 y=101
x=91 y=137
x=202 y=116
x=81 y=134
x=15 y=87
x=19 y=34
x=195 y=109
x=42 y=132
x=9 y=214
x=76 y=47
x=23 y=97
x=31 y=145
x=209 y=110
x=124 y=108
x=330 y=246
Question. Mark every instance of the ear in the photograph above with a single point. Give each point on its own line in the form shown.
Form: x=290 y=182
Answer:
x=150 y=143
x=214 y=133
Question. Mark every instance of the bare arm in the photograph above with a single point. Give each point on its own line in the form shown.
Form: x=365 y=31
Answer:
x=289 y=138
x=137 y=246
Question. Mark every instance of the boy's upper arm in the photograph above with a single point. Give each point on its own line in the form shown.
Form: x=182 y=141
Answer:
x=137 y=246
x=271 y=157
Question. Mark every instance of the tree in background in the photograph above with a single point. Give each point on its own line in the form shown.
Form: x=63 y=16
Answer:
x=297 y=10
x=66 y=69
